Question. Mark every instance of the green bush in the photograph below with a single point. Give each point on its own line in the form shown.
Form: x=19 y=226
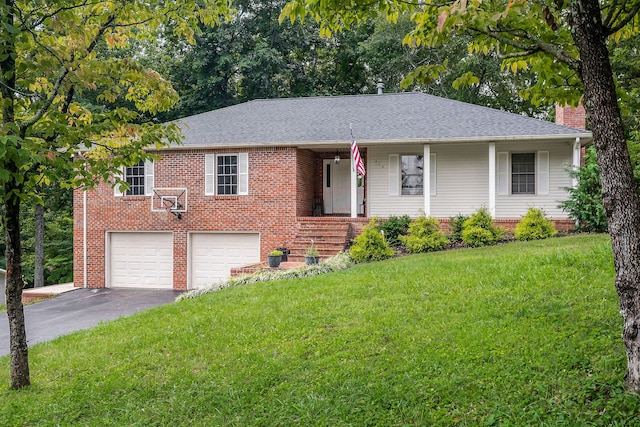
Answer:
x=455 y=224
x=425 y=235
x=394 y=227
x=370 y=245
x=585 y=200
x=478 y=229
x=534 y=225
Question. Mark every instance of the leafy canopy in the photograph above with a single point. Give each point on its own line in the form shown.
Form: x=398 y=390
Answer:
x=65 y=89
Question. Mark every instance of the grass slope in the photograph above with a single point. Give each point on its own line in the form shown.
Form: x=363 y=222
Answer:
x=518 y=334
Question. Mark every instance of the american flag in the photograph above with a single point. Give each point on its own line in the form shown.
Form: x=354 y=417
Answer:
x=355 y=154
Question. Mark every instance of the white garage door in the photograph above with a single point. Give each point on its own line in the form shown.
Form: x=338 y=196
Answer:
x=141 y=260
x=214 y=254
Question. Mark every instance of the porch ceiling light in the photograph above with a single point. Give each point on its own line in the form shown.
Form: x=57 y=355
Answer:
x=337 y=158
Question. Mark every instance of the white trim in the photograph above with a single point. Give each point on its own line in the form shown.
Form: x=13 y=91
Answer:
x=542 y=173
x=209 y=175
x=116 y=189
x=433 y=175
x=84 y=238
x=426 y=179
x=148 y=177
x=503 y=173
x=492 y=179
x=243 y=174
x=394 y=174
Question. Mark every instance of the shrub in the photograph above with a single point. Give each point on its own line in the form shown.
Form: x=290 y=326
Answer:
x=478 y=229
x=425 y=235
x=394 y=227
x=534 y=225
x=455 y=224
x=585 y=200
x=477 y=236
x=370 y=245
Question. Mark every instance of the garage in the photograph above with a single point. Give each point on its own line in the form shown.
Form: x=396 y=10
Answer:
x=213 y=255
x=140 y=260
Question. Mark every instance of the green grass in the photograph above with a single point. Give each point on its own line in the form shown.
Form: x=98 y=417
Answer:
x=511 y=335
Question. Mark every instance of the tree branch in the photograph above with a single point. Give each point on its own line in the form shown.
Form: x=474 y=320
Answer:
x=632 y=13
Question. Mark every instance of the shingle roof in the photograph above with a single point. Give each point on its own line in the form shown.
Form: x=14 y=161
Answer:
x=376 y=118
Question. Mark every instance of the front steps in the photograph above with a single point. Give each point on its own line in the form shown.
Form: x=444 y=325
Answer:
x=329 y=236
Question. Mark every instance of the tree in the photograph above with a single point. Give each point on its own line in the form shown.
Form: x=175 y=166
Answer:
x=565 y=43
x=51 y=52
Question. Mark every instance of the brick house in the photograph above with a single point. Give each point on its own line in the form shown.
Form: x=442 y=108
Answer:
x=277 y=173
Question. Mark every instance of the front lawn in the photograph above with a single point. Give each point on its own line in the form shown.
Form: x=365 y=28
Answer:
x=517 y=334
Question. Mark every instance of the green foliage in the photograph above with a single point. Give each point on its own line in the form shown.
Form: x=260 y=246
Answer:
x=425 y=235
x=456 y=223
x=370 y=245
x=534 y=226
x=276 y=252
x=380 y=344
x=335 y=263
x=585 y=200
x=394 y=227
x=478 y=229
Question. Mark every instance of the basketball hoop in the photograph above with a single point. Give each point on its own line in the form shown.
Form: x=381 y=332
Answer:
x=167 y=200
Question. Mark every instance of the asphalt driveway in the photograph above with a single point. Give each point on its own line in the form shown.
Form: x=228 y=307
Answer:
x=82 y=309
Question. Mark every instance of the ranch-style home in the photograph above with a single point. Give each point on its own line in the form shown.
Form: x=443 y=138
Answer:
x=278 y=173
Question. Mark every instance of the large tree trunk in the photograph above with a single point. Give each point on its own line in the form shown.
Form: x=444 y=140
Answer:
x=38 y=275
x=19 y=370
x=619 y=195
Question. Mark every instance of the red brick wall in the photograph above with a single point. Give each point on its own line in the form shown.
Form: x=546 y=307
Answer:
x=305 y=182
x=269 y=208
x=571 y=116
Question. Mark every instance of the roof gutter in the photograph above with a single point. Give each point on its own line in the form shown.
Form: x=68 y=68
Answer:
x=585 y=139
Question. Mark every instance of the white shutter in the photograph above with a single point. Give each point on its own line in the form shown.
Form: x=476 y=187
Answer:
x=542 y=172
x=148 y=177
x=432 y=174
x=394 y=175
x=503 y=173
x=209 y=176
x=116 y=189
x=243 y=174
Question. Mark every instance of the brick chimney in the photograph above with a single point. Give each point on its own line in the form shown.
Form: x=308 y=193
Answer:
x=571 y=116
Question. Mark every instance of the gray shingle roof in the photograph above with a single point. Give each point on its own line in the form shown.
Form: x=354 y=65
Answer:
x=396 y=117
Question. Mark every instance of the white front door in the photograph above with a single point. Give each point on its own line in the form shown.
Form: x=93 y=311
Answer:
x=336 y=183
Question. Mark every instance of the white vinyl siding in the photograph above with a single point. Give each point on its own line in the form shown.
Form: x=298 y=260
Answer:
x=551 y=179
x=239 y=182
x=461 y=177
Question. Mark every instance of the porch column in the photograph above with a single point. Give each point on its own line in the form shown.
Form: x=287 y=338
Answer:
x=426 y=179
x=492 y=179
x=577 y=152
x=354 y=190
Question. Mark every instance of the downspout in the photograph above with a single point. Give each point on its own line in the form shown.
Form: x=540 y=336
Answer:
x=84 y=238
x=577 y=149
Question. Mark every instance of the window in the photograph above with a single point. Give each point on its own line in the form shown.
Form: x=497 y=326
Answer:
x=523 y=173
x=226 y=174
x=134 y=175
x=139 y=177
x=412 y=174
